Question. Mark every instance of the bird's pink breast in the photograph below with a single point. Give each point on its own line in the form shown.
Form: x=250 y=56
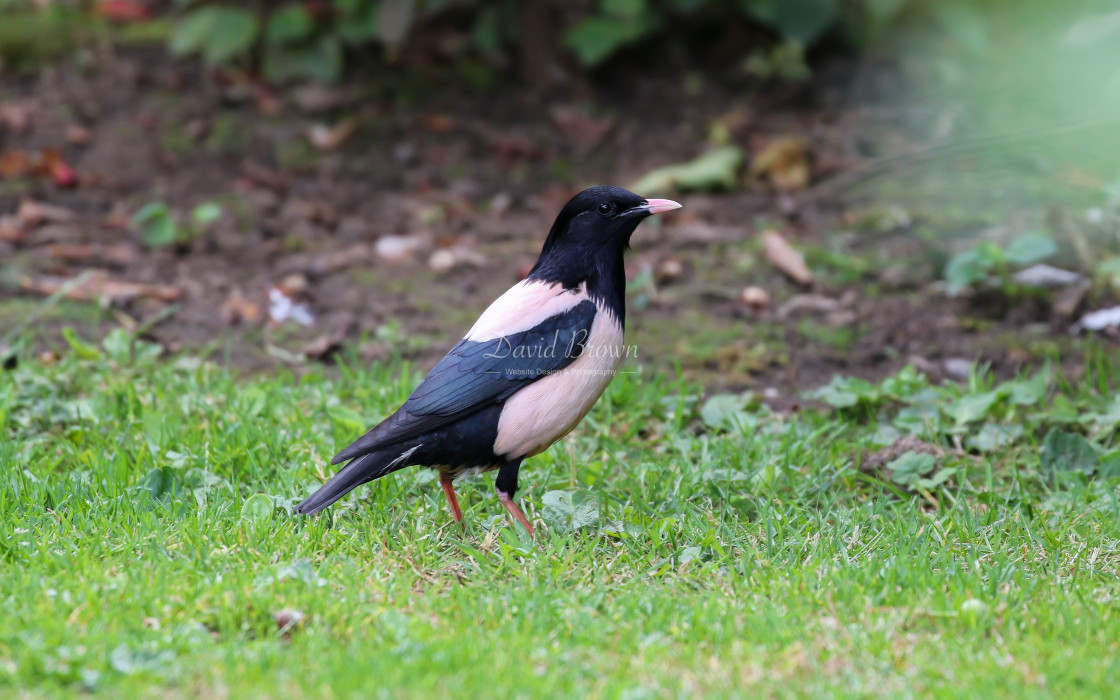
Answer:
x=548 y=409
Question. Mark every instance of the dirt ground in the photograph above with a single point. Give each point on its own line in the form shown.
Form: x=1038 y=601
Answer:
x=436 y=198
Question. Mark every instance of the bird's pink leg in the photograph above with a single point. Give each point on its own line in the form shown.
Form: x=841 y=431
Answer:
x=449 y=491
x=511 y=506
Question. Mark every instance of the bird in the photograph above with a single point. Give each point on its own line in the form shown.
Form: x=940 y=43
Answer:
x=525 y=374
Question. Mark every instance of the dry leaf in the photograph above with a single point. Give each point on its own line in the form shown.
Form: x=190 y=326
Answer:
x=785 y=258
x=447 y=259
x=668 y=270
x=397 y=248
x=15 y=163
x=12 y=230
x=15 y=116
x=51 y=165
x=101 y=287
x=237 y=308
x=77 y=135
x=119 y=254
x=755 y=297
x=33 y=213
x=785 y=162
x=328 y=138
x=439 y=123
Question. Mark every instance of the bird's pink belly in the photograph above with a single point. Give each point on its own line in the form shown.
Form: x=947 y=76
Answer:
x=548 y=409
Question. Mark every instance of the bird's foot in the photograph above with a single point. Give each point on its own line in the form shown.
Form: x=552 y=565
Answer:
x=507 y=501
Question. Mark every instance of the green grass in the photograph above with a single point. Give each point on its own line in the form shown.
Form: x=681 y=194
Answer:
x=685 y=548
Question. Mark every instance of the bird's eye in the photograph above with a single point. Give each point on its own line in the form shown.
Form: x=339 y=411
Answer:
x=606 y=208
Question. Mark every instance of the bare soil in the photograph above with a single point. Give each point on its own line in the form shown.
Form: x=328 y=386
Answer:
x=439 y=198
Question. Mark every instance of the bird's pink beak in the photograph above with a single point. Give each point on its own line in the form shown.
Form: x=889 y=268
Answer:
x=656 y=206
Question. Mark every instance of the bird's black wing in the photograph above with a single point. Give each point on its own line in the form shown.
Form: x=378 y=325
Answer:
x=477 y=374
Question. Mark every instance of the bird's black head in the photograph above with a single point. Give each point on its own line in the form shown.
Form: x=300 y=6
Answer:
x=589 y=236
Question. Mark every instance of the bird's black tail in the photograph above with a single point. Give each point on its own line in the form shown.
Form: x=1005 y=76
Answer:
x=367 y=467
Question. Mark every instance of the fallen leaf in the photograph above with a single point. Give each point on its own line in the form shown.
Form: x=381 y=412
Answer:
x=77 y=135
x=33 y=213
x=715 y=170
x=328 y=138
x=1043 y=275
x=1101 y=319
x=447 y=259
x=785 y=161
x=1069 y=300
x=668 y=270
x=12 y=230
x=755 y=297
x=116 y=254
x=782 y=256
x=237 y=309
x=99 y=286
x=15 y=163
x=812 y=303
x=439 y=123
x=326 y=345
x=397 y=248
x=317 y=99
x=15 y=116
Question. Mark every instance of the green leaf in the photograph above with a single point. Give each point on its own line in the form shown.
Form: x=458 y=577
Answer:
x=883 y=10
x=233 y=33
x=299 y=570
x=726 y=411
x=118 y=346
x=961 y=20
x=967 y=268
x=1028 y=249
x=486 y=32
x=1109 y=271
x=1028 y=392
x=161 y=483
x=938 y=478
x=596 y=38
x=994 y=436
x=973 y=407
x=81 y=348
x=1068 y=452
x=911 y=466
x=289 y=24
x=157 y=226
x=845 y=392
x=762 y=10
x=566 y=511
x=320 y=60
x=716 y=170
x=206 y=214
x=192 y=30
x=218 y=32
x=358 y=23
x=804 y=20
x=624 y=9
x=257 y=509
